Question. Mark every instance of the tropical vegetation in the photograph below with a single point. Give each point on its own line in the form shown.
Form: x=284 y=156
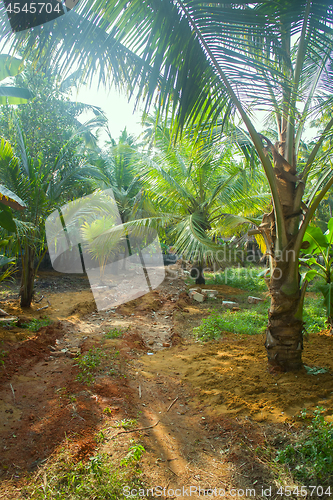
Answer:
x=211 y=65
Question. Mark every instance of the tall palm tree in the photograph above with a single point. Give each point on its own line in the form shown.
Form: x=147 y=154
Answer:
x=224 y=59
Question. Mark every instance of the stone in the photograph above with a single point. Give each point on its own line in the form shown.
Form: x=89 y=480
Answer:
x=199 y=297
x=228 y=304
x=254 y=300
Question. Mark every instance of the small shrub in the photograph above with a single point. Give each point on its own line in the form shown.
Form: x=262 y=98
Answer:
x=314 y=315
x=134 y=454
x=211 y=328
x=311 y=457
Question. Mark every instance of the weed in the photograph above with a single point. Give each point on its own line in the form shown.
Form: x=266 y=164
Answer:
x=100 y=436
x=134 y=454
x=3 y=354
x=253 y=320
x=98 y=478
x=114 y=334
x=35 y=324
x=311 y=457
x=107 y=410
x=127 y=423
x=88 y=364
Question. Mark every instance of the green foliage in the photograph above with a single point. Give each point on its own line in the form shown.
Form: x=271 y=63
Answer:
x=247 y=321
x=128 y=423
x=98 y=478
x=134 y=454
x=192 y=185
x=12 y=66
x=253 y=320
x=3 y=354
x=88 y=364
x=35 y=324
x=320 y=262
x=114 y=333
x=43 y=161
x=314 y=315
x=310 y=458
x=245 y=278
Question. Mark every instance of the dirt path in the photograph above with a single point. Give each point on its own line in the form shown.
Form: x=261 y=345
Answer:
x=215 y=404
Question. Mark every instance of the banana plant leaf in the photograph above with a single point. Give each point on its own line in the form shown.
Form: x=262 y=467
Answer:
x=14 y=95
x=317 y=239
x=6 y=220
x=327 y=291
x=12 y=66
x=10 y=199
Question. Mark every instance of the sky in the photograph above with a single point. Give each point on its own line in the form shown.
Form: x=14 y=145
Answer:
x=116 y=107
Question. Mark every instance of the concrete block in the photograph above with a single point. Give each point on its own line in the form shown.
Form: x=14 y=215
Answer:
x=228 y=304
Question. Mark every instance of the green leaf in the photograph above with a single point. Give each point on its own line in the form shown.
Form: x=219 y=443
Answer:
x=308 y=261
x=327 y=291
x=316 y=238
x=9 y=66
x=308 y=276
x=14 y=95
x=6 y=221
x=5 y=260
x=7 y=197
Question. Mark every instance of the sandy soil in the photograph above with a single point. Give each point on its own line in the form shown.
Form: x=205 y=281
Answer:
x=215 y=403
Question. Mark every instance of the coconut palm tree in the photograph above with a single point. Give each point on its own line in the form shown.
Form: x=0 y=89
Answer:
x=211 y=61
x=194 y=185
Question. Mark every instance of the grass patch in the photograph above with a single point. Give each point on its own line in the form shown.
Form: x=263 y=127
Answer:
x=314 y=314
x=98 y=479
x=247 y=321
x=245 y=278
x=253 y=320
x=35 y=324
x=310 y=458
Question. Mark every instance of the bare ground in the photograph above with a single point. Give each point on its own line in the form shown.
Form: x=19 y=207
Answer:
x=208 y=407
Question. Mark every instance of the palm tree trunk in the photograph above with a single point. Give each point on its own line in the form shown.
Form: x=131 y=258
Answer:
x=284 y=335
x=27 y=277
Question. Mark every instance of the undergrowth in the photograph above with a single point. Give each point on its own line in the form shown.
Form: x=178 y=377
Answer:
x=310 y=458
x=247 y=321
x=314 y=314
x=35 y=324
x=98 y=478
x=88 y=364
